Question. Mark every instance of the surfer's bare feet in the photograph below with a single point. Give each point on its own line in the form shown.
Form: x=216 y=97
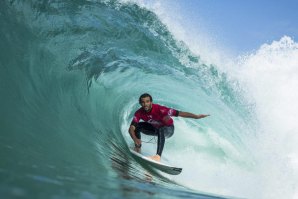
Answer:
x=155 y=157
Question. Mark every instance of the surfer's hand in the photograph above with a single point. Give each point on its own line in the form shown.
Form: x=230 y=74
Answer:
x=191 y=115
x=201 y=116
x=138 y=143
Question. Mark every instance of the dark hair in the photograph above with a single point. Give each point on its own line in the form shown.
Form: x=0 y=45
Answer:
x=143 y=96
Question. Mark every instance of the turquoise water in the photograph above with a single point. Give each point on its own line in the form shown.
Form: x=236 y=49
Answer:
x=71 y=75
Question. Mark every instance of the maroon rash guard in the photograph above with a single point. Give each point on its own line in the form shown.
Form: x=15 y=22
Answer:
x=158 y=116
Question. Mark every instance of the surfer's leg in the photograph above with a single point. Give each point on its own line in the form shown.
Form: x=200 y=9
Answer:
x=145 y=128
x=160 y=142
x=163 y=132
x=168 y=131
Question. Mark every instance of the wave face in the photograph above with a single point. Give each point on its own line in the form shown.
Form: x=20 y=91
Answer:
x=71 y=75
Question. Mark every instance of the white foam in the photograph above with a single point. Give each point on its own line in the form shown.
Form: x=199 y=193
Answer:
x=271 y=77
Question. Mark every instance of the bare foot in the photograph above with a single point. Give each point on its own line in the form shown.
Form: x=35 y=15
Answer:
x=155 y=157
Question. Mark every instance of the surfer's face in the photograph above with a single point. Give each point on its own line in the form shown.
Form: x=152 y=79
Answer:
x=146 y=103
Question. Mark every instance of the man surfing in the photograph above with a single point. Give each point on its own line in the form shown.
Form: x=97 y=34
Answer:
x=157 y=122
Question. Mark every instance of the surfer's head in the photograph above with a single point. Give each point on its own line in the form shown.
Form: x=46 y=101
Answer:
x=145 y=101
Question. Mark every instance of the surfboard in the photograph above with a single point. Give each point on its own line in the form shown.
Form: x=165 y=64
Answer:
x=157 y=165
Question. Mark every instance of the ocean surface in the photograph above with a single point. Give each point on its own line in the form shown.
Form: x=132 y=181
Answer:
x=71 y=73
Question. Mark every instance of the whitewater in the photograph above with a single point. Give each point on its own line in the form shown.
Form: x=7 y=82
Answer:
x=71 y=74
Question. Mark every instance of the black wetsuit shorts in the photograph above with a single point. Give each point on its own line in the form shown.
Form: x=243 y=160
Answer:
x=161 y=133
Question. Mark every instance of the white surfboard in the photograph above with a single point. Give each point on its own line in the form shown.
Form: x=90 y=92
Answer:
x=157 y=165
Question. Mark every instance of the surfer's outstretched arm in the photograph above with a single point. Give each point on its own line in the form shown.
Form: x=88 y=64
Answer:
x=191 y=115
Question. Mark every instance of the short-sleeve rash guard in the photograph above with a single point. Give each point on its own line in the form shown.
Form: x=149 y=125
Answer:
x=158 y=116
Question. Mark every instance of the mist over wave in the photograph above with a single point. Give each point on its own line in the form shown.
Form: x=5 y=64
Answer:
x=270 y=77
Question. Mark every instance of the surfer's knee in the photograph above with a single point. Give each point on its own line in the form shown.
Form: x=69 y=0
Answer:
x=168 y=131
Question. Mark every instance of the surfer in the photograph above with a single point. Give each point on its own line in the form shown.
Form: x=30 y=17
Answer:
x=157 y=121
